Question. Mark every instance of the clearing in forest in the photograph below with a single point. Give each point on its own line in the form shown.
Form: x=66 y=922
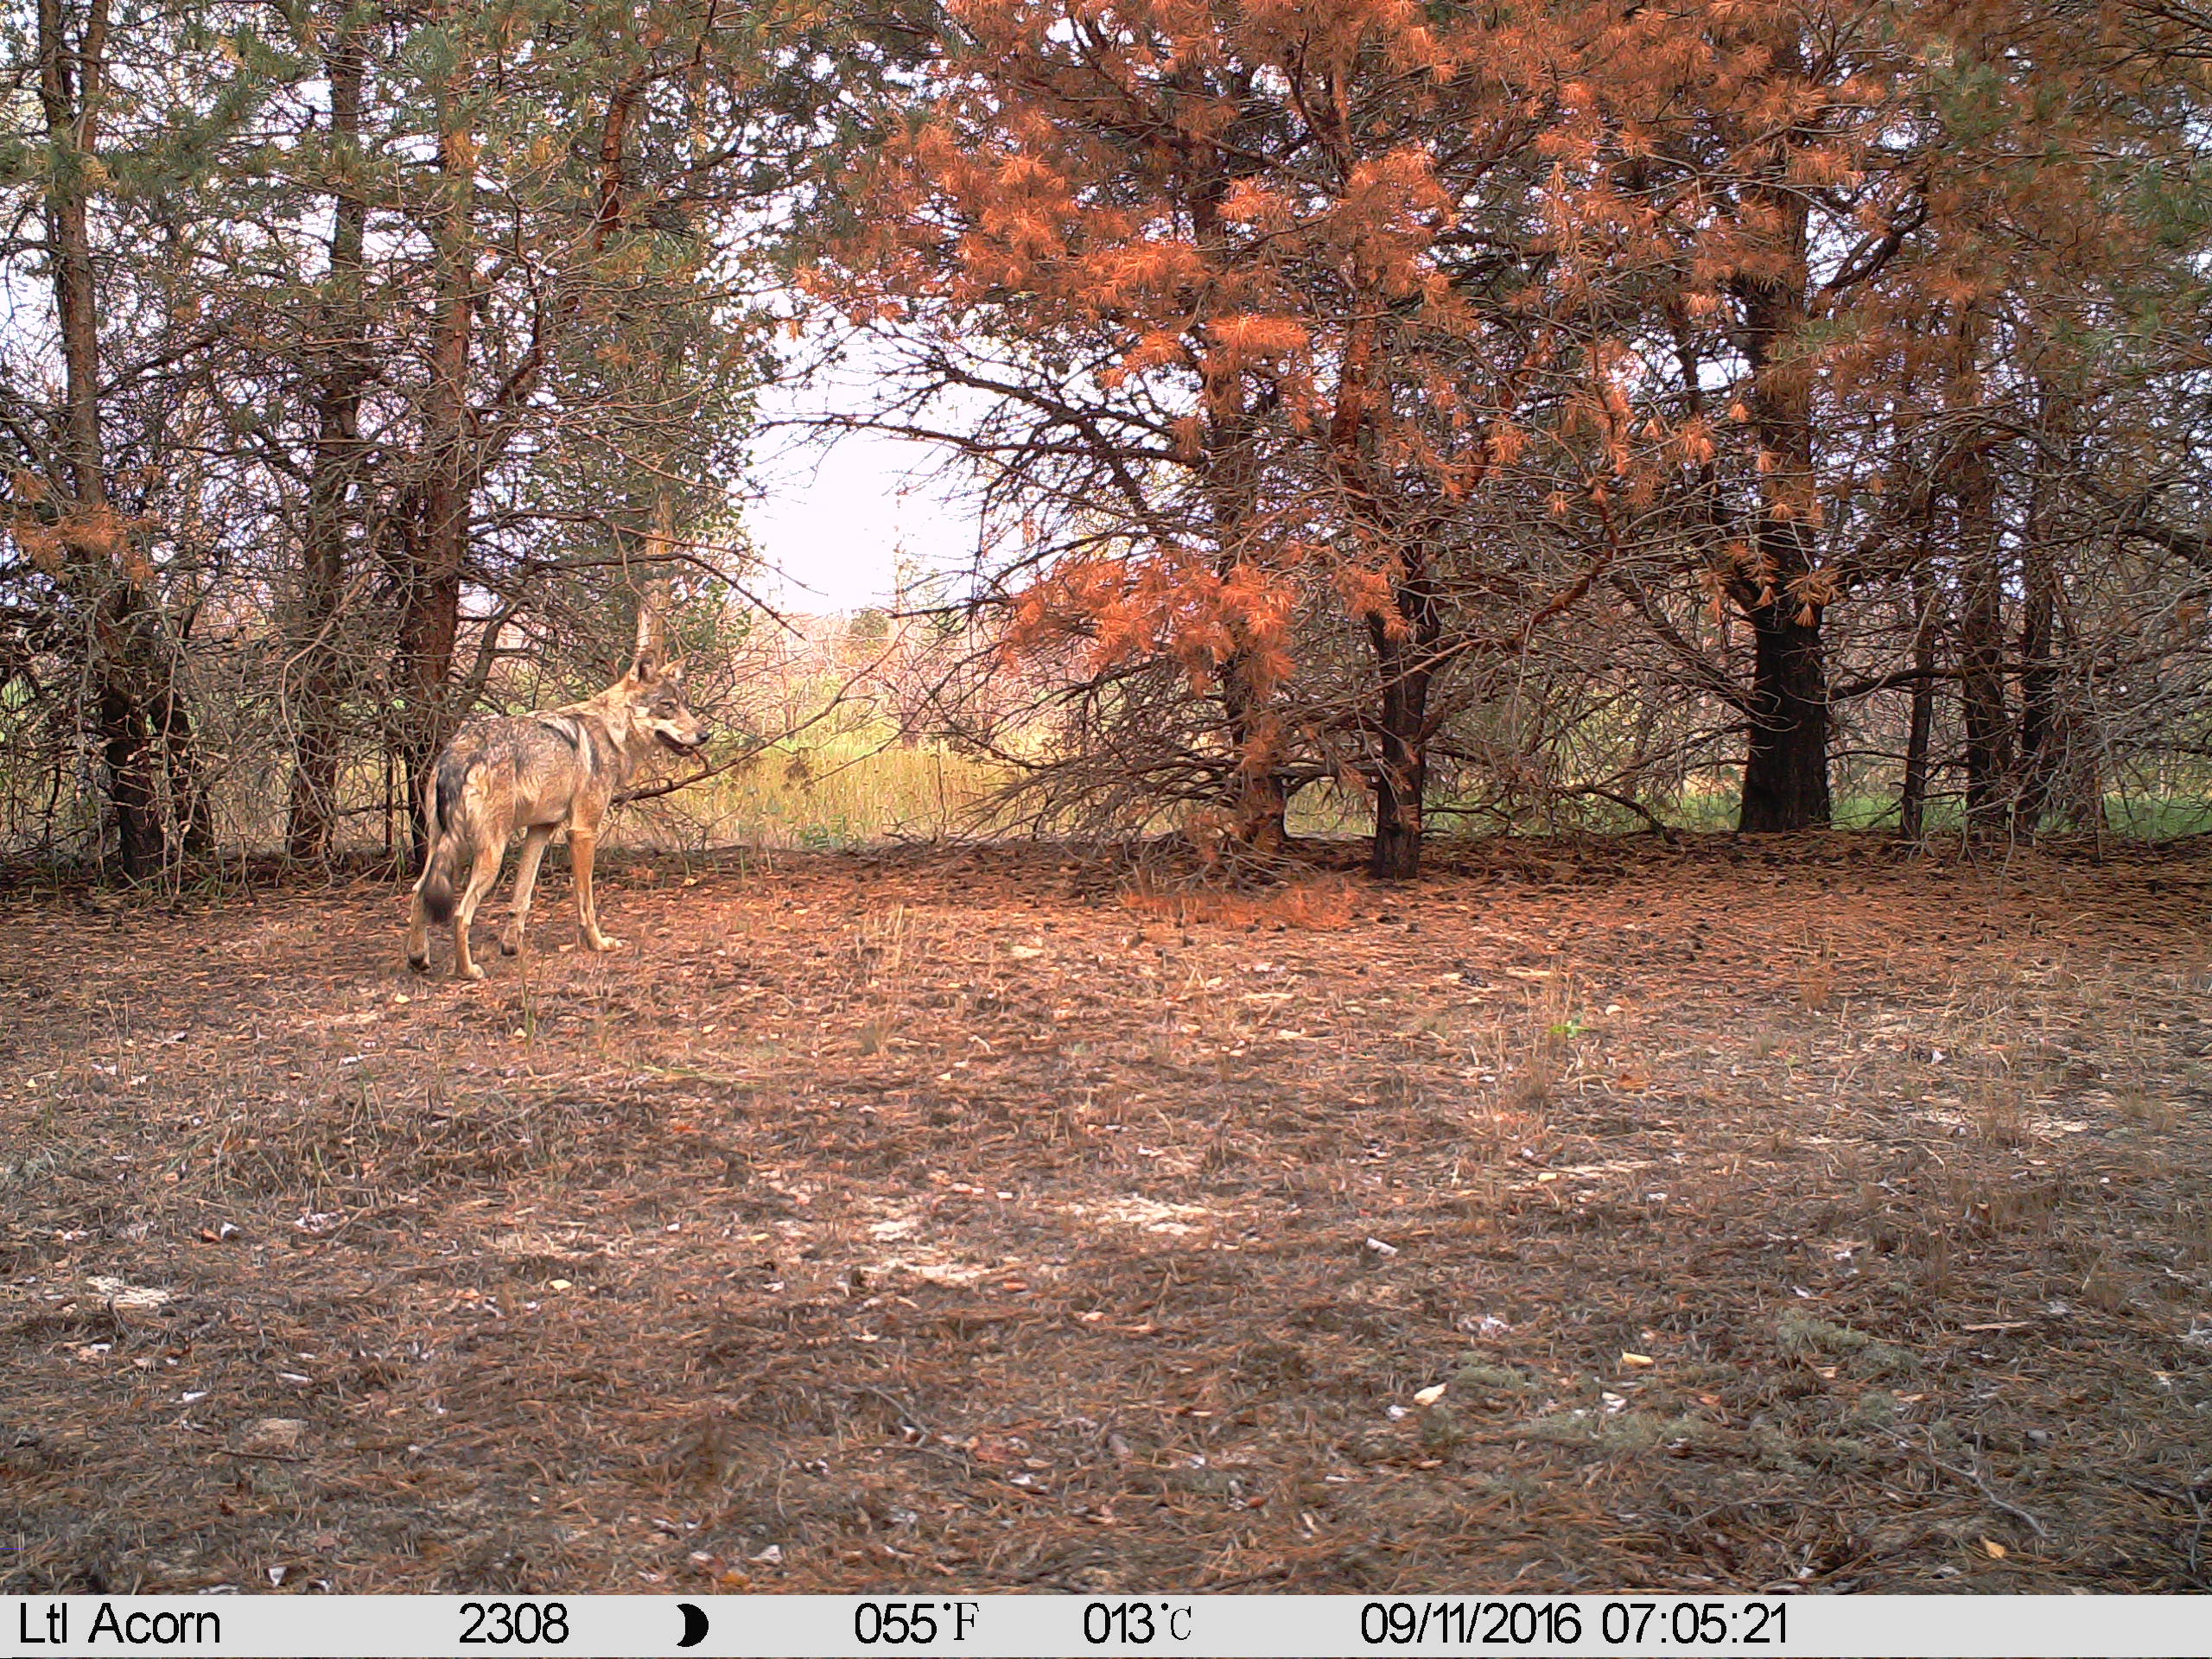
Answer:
x=1737 y=1214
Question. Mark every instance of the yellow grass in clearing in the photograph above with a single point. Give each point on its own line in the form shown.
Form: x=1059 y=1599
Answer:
x=844 y=793
x=852 y=791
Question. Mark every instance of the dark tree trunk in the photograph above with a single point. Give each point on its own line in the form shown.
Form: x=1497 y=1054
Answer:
x=124 y=648
x=323 y=678
x=1402 y=637
x=141 y=842
x=2084 y=790
x=2041 y=754
x=1913 y=799
x=1261 y=807
x=430 y=620
x=2075 y=763
x=1401 y=769
x=429 y=624
x=1786 y=764
x=1400 y=780
x=70 y=86
x=1229 y=470
x=1981 y=648
x=1786 y=759
x=1263 y=810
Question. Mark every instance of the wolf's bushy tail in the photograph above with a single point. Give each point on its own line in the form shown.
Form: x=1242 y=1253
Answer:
x=446 y=826
x=437 y=880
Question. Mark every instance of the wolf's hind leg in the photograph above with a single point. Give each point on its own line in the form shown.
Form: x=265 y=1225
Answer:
x=481 y=875
x=533 y=848
x=581 y=849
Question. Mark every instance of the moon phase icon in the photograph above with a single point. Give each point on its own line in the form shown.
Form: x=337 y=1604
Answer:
x=695 y=1625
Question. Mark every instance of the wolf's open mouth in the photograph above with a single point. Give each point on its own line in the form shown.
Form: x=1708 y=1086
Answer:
x=677 y=743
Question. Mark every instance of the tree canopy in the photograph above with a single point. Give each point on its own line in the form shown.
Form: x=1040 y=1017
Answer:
x=1473 y=412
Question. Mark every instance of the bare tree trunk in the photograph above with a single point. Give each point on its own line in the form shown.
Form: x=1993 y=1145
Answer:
x=104 y=570
x=458 y=444
x=1786 y=764
x=1401 y=776
x=1912 y=798
x=323 y=678
x=2077 y=759
x=1402 y=639
x=1260 y=806
x=1261 y=810
x=1982 y=646
x=69 y=90
x=1786 y=760
x=2042 y=752
x=429 y=619
x=1229 y=476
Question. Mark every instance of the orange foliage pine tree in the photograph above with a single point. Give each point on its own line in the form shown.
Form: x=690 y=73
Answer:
x=1357 y=344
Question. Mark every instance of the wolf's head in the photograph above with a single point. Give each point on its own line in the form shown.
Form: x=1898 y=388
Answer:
x=654 y=689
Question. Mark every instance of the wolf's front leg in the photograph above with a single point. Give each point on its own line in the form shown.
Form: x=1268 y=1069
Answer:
x=533 y=848
x=580 y=850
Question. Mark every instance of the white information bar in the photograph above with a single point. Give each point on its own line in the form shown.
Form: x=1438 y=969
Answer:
x=1046 y=1627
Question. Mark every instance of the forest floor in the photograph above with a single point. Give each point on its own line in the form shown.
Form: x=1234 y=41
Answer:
x=1740 y=1215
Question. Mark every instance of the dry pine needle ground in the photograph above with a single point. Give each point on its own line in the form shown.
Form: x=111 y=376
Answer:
x=1731 y=1216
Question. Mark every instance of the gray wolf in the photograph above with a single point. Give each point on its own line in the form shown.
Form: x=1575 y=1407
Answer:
x=556 y=769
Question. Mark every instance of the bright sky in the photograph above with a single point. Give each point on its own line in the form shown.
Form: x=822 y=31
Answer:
x=834 y=519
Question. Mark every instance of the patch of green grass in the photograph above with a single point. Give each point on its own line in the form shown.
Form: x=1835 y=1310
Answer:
x=1615 y=1433
x=2151 y=818
x=1868 y=1357
x=2159 y=817
x=1479 y=1376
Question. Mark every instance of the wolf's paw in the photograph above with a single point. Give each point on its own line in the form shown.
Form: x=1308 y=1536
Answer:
x=421 y=964
x=604 y=941
x=509 y=945
x=471 y=971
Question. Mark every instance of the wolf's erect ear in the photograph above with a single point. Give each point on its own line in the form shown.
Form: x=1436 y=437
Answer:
x=651 y=655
